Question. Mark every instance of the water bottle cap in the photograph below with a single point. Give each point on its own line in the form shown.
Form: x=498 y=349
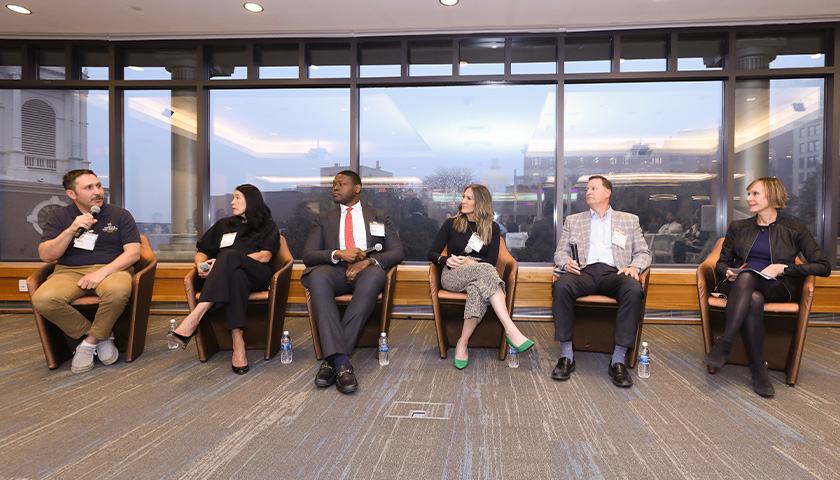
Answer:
x=285 y=332
x=383 y=334
x=644 y=344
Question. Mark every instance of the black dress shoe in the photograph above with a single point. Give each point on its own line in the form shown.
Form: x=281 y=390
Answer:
x=239 y=370
x=564 y=369
x=345 y=381
x=620 y=375
x=325 y=376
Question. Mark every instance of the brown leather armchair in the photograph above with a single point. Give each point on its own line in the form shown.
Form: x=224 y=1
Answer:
x=265 y=316
x=378 y=322
x=785 y=322
x=130 y=329
x=595 y=323
x=449 y=308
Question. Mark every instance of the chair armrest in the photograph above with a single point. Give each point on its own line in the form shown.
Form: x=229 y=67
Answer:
x=39 y=276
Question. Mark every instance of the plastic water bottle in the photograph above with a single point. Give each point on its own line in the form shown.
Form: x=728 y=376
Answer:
x=644 y=361
x=384 y=350
x=173 y=345
x=286 y=348
x=513 y=357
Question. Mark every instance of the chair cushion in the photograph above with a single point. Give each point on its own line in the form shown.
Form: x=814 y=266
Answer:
x=599 y=299
x=86 y=300
x=778 y=307
x=346 y=298
x=452 y=296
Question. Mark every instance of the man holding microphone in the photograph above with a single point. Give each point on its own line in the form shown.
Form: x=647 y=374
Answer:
x=611 y=253
x=95 y=244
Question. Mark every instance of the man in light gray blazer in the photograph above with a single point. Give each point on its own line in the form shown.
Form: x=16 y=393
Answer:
x=611 y=254
x=341 y=258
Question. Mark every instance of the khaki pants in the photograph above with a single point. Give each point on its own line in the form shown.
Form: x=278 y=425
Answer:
x=53 y=297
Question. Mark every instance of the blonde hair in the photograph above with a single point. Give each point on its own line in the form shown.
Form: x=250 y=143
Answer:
x=775 y=191
x=483 y=214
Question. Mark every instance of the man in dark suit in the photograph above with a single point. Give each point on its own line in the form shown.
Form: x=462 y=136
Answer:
x=611 y=254
x=340 y=258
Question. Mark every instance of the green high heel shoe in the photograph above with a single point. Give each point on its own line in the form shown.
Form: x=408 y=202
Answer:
x=520 y=348
x=461 y=364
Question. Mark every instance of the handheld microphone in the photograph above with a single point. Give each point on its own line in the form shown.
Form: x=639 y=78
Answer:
x=81 y=230
x=375 y=248
x=203 y=266
x=468 y=250
x=573 y=247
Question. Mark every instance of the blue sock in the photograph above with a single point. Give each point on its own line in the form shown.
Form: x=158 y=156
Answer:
x=339 y=359
x=566 y=351
x=618 y=355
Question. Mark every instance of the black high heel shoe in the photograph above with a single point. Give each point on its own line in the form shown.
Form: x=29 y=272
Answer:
x=239 y=370
x=180 y=339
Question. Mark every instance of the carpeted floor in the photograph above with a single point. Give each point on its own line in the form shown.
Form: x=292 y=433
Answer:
x=167 y=415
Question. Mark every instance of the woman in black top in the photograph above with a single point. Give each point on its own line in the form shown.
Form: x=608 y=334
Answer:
x=235 y=258
x=767 y=243
x=472 y=242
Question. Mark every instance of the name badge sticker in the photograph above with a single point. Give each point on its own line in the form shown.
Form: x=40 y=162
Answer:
x=475 y=243
x=227 y=239
x=86 y=242
x=619 y=238
x=377 y=229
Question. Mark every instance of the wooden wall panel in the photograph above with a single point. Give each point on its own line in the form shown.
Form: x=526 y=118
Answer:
x=670 y=288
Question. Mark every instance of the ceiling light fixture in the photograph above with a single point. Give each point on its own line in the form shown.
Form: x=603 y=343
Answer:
x=253 y=7
x=19 y=9
x=449 y=3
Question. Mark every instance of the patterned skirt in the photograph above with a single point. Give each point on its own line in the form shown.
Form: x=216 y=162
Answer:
x=479 y=280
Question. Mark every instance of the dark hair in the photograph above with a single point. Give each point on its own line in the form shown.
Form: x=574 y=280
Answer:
x=257 y=212
x=354 y=177
x=69 y=179
x=607 y=184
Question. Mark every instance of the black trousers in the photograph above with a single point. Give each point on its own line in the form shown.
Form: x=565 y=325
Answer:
x=233 y=277
x=598 y=279
x=325 y=282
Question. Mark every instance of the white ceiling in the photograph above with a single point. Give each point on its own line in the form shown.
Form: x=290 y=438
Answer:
x=147 y=19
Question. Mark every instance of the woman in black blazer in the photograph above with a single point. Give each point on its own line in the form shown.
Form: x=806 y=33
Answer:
x=758 y=264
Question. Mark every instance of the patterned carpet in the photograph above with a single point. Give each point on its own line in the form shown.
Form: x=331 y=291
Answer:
x=167 y=415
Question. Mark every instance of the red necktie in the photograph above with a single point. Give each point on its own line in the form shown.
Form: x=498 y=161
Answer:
x=349 y=242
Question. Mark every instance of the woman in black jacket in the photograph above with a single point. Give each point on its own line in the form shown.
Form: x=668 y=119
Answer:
x=757 y=265
x=234 y=258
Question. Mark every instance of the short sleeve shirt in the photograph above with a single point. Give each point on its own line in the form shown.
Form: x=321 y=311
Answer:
x=115 y=227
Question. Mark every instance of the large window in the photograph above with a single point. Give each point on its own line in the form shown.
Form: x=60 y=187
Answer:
x=659 y=144
x=43 y=135
x=289 y=143
x=161 y=169
x=420 y=146
x=779 y=133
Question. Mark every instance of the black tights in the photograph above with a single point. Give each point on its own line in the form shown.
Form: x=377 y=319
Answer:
x=745 y=313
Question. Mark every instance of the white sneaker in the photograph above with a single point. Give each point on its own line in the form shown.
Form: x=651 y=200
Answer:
x=106 y=351
x=83 y=358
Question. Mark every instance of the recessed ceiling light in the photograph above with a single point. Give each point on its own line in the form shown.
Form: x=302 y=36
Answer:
x=750 y=99
x=19 y=9
x=449 y=3
x=253 y=7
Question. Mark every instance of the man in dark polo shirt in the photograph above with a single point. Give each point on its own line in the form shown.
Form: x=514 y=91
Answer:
x=95 y=254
